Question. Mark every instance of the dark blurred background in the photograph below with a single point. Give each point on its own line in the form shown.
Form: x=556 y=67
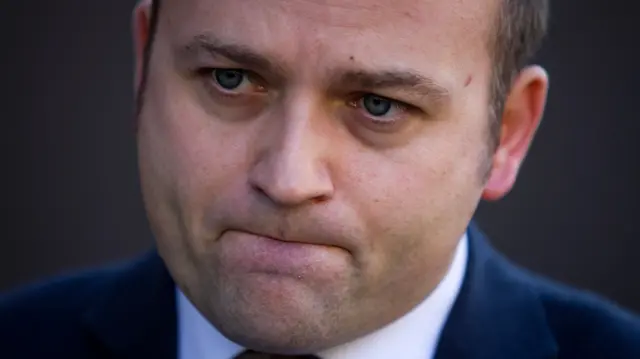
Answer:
x=69 y=166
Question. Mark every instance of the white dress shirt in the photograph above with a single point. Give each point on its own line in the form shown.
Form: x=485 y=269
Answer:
x=413 y=336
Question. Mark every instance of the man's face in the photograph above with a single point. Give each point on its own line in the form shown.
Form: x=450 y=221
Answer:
x=309 y=166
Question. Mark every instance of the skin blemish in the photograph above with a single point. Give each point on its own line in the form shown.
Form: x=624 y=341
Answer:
x=468 y=81
x=351 y=58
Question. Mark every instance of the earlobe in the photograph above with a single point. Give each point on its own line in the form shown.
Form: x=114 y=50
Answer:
x=141 y=34
x=523 y=110
x=502 y=177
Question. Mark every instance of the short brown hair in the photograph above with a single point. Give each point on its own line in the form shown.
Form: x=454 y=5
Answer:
x=516 y=36
x=518 y=31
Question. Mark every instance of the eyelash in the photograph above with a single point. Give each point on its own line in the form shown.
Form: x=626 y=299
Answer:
x=395 y=105
x=207 y=75
x=387 y=122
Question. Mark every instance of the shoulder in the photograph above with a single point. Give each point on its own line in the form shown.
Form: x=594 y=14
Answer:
x=50 y=313
x=582 y=324
x=55 y=295
x=585 y=324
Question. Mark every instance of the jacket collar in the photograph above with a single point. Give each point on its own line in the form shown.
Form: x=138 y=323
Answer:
x=497 y=314
x=134 y=314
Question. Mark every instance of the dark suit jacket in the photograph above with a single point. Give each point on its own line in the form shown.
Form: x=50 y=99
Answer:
x=502 y=312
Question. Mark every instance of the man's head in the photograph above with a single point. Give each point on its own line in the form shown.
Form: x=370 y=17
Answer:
x=309 y=166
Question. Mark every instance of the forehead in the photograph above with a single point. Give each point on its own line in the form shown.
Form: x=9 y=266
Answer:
x=438 y=34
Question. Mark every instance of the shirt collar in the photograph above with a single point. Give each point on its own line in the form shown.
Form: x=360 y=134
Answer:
x=415 y=335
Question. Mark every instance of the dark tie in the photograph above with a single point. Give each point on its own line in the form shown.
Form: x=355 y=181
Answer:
x=250 y=354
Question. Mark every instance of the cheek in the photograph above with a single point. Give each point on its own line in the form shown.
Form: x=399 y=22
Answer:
x=418 y=186
x=187 y=159
x=415 y=203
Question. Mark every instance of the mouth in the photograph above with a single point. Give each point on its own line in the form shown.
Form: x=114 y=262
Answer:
x=254 y=253
x=291 y=242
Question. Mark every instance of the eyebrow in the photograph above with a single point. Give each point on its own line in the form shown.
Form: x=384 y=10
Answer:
x=423 y=85
x=208 y=45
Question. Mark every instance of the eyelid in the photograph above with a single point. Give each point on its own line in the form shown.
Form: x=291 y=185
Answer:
x=208 y=71
x=384 y=123
x=399 y=103
x=252 y=77
x=354 y=102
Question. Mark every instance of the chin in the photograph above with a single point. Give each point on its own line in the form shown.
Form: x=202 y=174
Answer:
x=271 y=314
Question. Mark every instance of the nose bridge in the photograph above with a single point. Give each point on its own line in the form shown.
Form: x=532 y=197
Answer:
x=292 y=167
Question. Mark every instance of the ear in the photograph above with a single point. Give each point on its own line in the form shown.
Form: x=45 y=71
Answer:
x=523 y=110
x=141 y=19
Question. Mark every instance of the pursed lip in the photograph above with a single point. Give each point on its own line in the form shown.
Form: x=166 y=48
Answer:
x=246 y=252
x=308 y=240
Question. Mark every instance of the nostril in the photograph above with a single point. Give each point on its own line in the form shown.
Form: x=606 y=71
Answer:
x=319 y=199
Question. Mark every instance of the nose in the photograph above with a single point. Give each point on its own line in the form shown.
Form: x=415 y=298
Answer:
x=291 y=168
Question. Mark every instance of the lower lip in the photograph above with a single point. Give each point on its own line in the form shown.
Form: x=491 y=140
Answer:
x=252 y=253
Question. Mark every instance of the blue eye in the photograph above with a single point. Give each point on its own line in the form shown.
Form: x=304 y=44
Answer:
x=376 y=105
x=229 y=79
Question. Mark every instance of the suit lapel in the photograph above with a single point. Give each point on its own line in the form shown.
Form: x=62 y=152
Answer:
x=497 y=314
x=135 y=313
